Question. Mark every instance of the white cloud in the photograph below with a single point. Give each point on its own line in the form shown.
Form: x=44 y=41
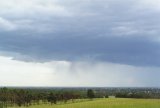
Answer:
x=63 y=73
x=83 y=16
x=149 y=4
x=16 y=73
x=6 y=25
x=31 y=8
x=124 y=31
x=32 y=15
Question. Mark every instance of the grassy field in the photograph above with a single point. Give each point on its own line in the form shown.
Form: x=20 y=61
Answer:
x=107 y=103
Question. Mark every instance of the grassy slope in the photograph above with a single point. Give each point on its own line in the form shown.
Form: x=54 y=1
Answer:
x=108 y=103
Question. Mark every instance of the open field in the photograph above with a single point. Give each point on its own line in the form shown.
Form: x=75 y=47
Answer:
x=106 y=103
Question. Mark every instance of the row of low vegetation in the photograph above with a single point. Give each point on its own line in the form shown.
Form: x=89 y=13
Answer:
x=29 y=96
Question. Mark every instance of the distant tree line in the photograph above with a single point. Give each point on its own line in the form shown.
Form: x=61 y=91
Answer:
x=152 y=93
x=133 y=95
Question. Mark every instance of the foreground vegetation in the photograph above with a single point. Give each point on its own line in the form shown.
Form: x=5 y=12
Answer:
x=106 y=103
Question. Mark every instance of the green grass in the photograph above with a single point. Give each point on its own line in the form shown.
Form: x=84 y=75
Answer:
x=106 y=103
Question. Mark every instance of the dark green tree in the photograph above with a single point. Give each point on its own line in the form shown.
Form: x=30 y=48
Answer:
x=90 y=94
x=52 y=98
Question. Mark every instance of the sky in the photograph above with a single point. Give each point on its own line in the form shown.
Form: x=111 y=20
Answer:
x=72 y=43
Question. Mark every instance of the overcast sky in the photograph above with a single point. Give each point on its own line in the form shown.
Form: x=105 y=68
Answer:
x=111 y=43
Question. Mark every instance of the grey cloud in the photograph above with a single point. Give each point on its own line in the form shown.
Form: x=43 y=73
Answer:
x=133 y=51
x=101 y=30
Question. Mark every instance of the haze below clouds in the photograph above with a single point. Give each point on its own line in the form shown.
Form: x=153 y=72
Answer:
x=80 y=43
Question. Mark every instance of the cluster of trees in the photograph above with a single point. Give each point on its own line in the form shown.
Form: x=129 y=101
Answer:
x=11 y=97
x=146 y=93
x=133 y=95
x=27 y=97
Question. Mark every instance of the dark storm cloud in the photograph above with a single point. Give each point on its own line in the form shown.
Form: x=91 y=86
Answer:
x=133 y=51
x=103 y=30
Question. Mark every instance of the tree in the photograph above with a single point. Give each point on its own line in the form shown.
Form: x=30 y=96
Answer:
x=20 y=99
x=52 y=98
x=90 y=94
